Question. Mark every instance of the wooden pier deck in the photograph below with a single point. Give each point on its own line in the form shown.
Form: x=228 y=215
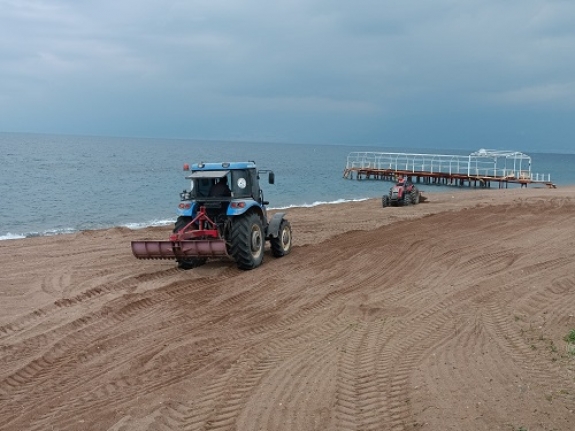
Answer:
x=480 y=169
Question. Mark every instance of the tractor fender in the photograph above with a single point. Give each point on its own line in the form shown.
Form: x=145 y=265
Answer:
x=240 y=206
x=274 y=225
x=189 y=212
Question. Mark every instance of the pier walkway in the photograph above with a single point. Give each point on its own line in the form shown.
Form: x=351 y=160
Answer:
x=478 y=169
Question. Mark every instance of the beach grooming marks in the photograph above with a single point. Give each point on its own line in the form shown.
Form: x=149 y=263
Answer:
x=478 y=169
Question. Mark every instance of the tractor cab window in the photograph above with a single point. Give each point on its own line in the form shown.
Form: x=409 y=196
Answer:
x=203 y=186
x=206 y=184
x=220 y=187
x=241 y=184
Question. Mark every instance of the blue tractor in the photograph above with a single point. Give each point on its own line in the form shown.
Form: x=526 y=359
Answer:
x=222 y=214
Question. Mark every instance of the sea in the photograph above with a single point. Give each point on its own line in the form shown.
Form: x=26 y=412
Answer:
x=60 y=184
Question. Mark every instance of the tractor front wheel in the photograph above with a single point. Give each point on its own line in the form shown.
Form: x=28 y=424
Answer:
x=406 y=199
x=247 y=241
x=385 y=201
x=191 y=263
x=281 y=245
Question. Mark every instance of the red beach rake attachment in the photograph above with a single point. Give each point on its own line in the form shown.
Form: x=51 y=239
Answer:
x=199 y=238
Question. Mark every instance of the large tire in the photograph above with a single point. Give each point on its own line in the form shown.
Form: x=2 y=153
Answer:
x=415 y=195
x=281 y=245
x=192 y=262
x=385 y=201
x=247 y=241
x=181 y=223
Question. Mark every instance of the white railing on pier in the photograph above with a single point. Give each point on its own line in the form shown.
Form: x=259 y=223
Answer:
x=482 y=163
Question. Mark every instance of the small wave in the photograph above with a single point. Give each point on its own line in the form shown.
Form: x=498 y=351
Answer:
x=54 y=232
x=51 y=232
x=11 y=236
x=136 y=226
x=318 y=203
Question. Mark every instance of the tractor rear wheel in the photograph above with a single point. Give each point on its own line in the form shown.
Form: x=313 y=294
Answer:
x=192 y=262
x=181 y=223
x=247 y=241
x=281 y=245
x=415 y=196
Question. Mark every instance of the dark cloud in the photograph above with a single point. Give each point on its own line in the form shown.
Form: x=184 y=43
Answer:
x=306 y=71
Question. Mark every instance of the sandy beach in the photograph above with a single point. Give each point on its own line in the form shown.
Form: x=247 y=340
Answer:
x=447 y=315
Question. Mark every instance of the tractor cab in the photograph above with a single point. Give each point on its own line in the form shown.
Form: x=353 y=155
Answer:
x=222 y=214
x=224 y=189
x=204 y=183
x=209 y=182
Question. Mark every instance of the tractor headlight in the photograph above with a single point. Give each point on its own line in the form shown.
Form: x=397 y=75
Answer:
x=185 y=196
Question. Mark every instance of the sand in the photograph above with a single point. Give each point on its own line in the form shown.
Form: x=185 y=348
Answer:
x=447 y=315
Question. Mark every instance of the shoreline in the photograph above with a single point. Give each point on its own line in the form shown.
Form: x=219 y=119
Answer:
x=437 y=196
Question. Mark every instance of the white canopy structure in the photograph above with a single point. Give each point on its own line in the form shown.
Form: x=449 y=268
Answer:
x=482 y=163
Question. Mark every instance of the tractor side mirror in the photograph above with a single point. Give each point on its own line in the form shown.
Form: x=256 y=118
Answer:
x=271 y=178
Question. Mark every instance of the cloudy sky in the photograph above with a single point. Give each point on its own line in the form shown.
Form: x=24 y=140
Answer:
x=440 y=74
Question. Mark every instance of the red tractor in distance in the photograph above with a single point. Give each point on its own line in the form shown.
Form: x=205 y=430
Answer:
x=403 y=193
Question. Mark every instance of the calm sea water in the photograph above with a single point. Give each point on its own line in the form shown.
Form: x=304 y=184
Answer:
x=52 y=184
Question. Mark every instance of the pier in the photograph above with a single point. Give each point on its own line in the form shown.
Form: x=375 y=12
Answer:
x=479 y=169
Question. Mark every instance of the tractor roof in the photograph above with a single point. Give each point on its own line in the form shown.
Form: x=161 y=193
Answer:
x=208 y=174
x=222 y=166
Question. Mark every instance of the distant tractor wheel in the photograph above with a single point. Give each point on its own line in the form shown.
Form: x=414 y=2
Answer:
x=407 y=199
x=415 y=196
x=281 y=245
x=192 y=262
x=247 y=241
x=385 y=201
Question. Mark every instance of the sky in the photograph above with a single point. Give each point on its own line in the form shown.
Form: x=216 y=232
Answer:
x=421 y=74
